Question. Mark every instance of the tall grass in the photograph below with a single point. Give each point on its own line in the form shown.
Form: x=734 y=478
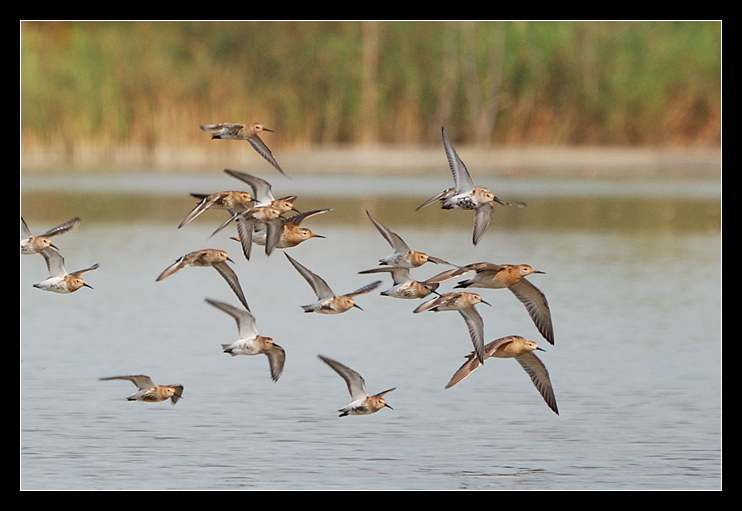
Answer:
x=152 y=83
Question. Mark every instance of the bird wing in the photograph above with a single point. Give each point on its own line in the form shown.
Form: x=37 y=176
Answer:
x=468 y=367
x=276 y=360
x=54 y=262
x=257 y=143
x=540 y=378
x=443 y=195
x=80 y=272
x=178 y=393
x=482 y=216
x=438 y=260
x=178 y=265
x=365 y=289
x=354 y=381
x=430 y=304
x=396 y=242
x=261 y=188
x=448 y=274
x=537 y=306
x=299 y=218
x=141 y=381
x=399 y=275
x=461 y=178
x=318 y=285
x=475 y=324
x=246 y=327
x=234 y=216
x=223 y=128
x=60 y=229
x=230 y=276
x=245 y=231
x=202 y=206
x=25 y=231
x=273 y=231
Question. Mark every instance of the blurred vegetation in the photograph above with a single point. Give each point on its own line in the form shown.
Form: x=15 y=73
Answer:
x=586 y=213
x=150 y=84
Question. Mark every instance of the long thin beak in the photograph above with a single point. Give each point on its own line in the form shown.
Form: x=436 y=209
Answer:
x=541 y=349
x=266 y=129
x=317 y=236
x=486 y=303
x=538 y=271
x=87 y=285
x=388 y=406
x=230 y=260
x=291 y=198
x=357 y=306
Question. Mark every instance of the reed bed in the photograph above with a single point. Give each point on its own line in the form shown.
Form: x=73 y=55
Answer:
x=145 y=86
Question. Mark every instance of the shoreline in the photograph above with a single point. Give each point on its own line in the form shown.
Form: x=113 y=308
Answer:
x=506 y=161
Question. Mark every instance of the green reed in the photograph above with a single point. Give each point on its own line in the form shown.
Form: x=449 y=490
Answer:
x=151 y=84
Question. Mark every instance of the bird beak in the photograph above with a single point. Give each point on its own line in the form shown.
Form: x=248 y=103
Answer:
x=291 y=199
x=317 y=236
x=486 y=303
x=541 y=349
x=230 y=260
x=388 y=406
x=266 y=129
x=86 y=285
x=538 y=271
x=357 y=306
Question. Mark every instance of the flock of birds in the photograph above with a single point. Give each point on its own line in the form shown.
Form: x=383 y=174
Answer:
x=261 y=219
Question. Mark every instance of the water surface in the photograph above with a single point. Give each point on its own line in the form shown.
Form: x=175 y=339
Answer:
x=632 y=277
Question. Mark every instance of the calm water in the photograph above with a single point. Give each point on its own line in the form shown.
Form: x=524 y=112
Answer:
x=632 y=276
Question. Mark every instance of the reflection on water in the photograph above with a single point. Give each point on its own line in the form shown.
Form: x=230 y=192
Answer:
x=636 y=364
x=552 y=204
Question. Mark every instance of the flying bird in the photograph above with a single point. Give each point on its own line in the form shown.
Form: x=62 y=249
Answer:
x=361 y=403
x=59 y=280
x=522 y=350
x=327 y=301
x=250 y=341
x=464 y=303
x=403 y=256
x=233 y=201
x=148 y=391
x=217 y=259
x=512 y=277
x=465 y=194
x=35 y=244
x=249 y=132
